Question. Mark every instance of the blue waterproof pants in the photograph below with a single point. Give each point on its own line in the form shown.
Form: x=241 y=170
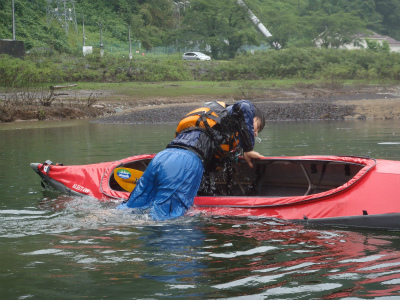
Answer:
x=169 y=184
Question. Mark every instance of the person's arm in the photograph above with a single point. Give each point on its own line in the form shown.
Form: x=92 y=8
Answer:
x=249 y=156
x=243 y=112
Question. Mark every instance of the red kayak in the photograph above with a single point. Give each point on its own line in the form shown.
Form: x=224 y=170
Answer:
x=326 y=190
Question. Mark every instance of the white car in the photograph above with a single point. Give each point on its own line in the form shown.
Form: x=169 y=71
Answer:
x=195 y=56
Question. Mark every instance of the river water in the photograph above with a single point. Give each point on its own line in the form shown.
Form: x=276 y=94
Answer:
x=58 y=247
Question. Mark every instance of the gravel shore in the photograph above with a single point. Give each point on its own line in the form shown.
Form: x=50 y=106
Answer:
x=297 y=103
x=333 y=107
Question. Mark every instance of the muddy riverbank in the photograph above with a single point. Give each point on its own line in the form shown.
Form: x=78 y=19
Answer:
x=280 y=105
x=299 y=103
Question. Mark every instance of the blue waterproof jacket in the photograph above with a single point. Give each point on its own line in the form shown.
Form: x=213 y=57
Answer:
x=200 y=142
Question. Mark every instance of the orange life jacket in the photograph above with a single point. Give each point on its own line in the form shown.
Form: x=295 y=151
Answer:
x=207 y=119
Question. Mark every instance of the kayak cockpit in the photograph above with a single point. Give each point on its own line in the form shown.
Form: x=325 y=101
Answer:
x=280 y=178
x=137 y=165
x=272 y=177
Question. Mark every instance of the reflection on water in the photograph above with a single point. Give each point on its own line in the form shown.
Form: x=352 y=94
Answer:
x=57 y=247
x=199 y=256
x=285 y=260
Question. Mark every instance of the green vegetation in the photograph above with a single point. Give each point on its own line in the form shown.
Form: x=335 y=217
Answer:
x=169 y=89
x=55 y=57
x=219 y=26
x=292 y=63
x=222 y=28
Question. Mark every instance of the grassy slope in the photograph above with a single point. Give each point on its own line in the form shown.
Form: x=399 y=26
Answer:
x=232 y=89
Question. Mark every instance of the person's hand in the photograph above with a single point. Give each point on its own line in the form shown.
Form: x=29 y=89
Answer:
x=249 y=156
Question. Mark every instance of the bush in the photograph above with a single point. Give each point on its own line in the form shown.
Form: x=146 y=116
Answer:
x=309 y=63
x=18 y=73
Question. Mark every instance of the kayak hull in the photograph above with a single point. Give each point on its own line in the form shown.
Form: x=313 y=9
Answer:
x=321 y=190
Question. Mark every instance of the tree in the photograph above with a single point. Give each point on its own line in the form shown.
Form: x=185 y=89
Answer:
x=222 y=25
x=390 y=11
x=366 y=10
x=284 y=23
x=152 y=22
x=375 y=46
x=337 y=29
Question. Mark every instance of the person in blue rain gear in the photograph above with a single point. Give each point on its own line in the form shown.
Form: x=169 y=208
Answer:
x=204 y=137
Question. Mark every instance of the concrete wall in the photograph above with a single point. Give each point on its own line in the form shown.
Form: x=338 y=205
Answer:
x=11 y=47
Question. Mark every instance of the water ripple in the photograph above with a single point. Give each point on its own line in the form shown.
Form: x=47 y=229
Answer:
x=204 y=256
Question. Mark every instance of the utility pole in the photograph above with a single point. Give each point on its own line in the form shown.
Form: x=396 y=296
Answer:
x=259 y=26
x=86 y=49
x=13 y=20
x=83 y=29
x=101 y=41
x=130 y=48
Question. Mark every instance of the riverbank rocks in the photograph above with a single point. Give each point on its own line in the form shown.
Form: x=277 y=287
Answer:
x=274 y=111
x=299 y=103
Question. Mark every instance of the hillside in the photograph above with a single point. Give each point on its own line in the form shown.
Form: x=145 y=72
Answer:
x=163 y=23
